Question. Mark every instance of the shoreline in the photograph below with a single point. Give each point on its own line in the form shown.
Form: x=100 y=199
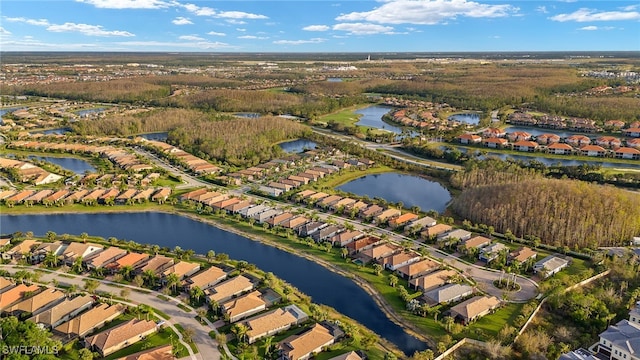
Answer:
x=363 y=284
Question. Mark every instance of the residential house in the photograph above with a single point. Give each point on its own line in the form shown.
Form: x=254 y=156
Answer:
x=281 y=186
x=474 y=308
x=432 y=280
x=371 y=211
x=627 y=153
x=125 y=196
x=162 y=352
x=5 y=284
x=550 y=265
x=309 y=228
x=243 y=306
x=273 y=322
x=351 y=355
x=36 y=303
x=226 y=290
x=193 y=195
x=77 y=250
x=157 y=264
x=527 y=146
x=632 y=132
x=622 y=340
x=578 y=354
x=317 y=196
x=447 y=294
x=476 y=242
x=300 y=179
x=435 y=230
x=578 y=140
x=402 y=219
x=328 y=201
x=378 y=252
x=633 y=143
x=205 y=278
x=398 y=260
x=256 y=209
x=386 y=215
x=609 y=142
x=110 y=194
x=56 y=197
x=295 y=223
x=305 y=194
x=346 y=237
x=326 y=233
x=342 y=204
x=104 y=257
x=493 y=132
x=271 y=191
x=182 y=269
x=132 y=259
x=358 y=206
x=548 y=139
x=161 y=195
x=121 y=336
x=90 y=320
x=38 y=196
x=593 y=150
x=495 y=143
x=362 y=244
x=222 y=204
x=491 y=252
x=304 y=345
x=416 y=269
x=276 y=220
x=518 y=136
x=560 y=149
x=458 y=234
x=21 y=249
x=63 y=311
x=522 y=255
x=469 y=139
x=238 y=207
x=12 y=295
x=19 y=197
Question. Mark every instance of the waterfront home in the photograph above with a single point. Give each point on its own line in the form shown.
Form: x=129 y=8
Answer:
x=63 y=311
x=476 y=242
x=362 y=244
x=434 y=231
x=378 y=252
x=77 y=250
x=317 y=196
x=193 y=195
x=550 y=265
x=328 y=201
x=206 y=196
x=205 y=278
x=119 y=337
x=182 y=269
x=132 y=259
x=357 y=206
x=627 y=153
x=238 y=207
x=474 y=308
x=493 y=132
x=162 y=352
x=371 y=211
x=86 y=322
x=36 y=303
x=419 y=224
x=224 y=203
x=522 y=255
x=469 y=139
x=273 y=322
x=447 y=294
x=622 y=340
x=398 y=260
x=157 y=264
x=548 y=139
x=351 y=355
x=560 y=149
x=38 y=196
x=578 y=140
x=243 y=306
x=345 y=237
x=256 y=209
x=526 y=146
x=276 y=220
x=102 y=258
x=326 y=233
x=19 y=250
x=432 y=280
x=416 y=269
x=143 y=195
x=305 y=194
x=491 y=252
x=309 y=228
x=342 y=204
x=632 y=132
x=125 y=196
x=295 y=222
x=452 y=235
x=76 y=196
x=19 y=197
x=12 y=295
x=495 y=143
x=386 y=215
x=609 y=142
x=228 y=289
x=633 y=143
x=266 y=215
x=518 y=136
x=614 y=124
x=56 y=197
x=311 y=341
x=402 y=219
x=108 y=195
x=161 y=195
x=92 y=196
x=593 y=150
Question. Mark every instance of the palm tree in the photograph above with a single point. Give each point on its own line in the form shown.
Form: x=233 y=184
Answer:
x=211 y=255
x=172 y=281
x=377 y=268
x=240 y=331
x=196 y=293
x=393 y=280
x=51 y=259
x=268 y=344
x=77 y=266
x=126 y=271
x=150 y=277
x=448 y=322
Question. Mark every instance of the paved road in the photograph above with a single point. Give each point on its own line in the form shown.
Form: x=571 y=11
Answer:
x=207 y=347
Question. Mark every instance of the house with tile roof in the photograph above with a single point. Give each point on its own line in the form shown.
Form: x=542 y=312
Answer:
x=36 y=303
x=495 y=143
x=560 y=149
x=622 y=340
x=132 y=259
x=525 y=145
x=593 y=150
x=419 y=224
x=157 y=264
x=162 y=352
x=228 y=289
x=469 y=139
x=121 y=336
x=476 y=242
x=5 y=284
x=378 y=252
x=398 y=260
x=182 y=269
x=434 y=231
x=403 y=219
x=243 y=306
x=77 y=250
x=627 y=153
x=63 y=311
x=362 y=244
x=447 y=294
x=351 y=355
x=522 y=255
x=386 y=215
x=550 y=265
x=548 y=139
x=416 y=269
x=90 y=320
x=474 y=308
x=12 y=295
x=432 y=280
x=24 y=247
x=491 y=252
x=346 y=237
x=311 y=341
x=205 y=278
x=104 y=257
x=326 y=233
x=273 y=322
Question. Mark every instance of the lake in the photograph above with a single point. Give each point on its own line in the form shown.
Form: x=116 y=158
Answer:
x=334 y=79
x=394 y=187
x=539 y=131
x=87 y=112
x=158 y=136
x=324 y=286
x=57 y=131
x=372 y=117
x=8 y=110
x=467 y=118
x=248 y=115
x=563 y=162
x=297 y=146
x=76 y=165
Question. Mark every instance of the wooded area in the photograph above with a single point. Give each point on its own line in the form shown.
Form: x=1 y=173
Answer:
x=114 y=91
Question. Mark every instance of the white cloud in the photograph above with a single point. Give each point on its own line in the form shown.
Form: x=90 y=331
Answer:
x=253 y=37
x=37 y=22
x=127 y=4
x=427 y=12
x=241 y=30
x=300 y=42
x=363 y=29
x=542 y=9
x=207 y=11
x=182 y=21
x=198 y=44
x=86 y=29
x=585 y=15
x=629 y=8
x=235 y=22
x=27 y=44
x=316 y=28
x=240 y=15
x=4 y=31
x=594 y=28
x=213 y=33
x=191 y=38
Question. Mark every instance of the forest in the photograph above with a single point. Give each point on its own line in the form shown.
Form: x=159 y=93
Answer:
x=563 y=213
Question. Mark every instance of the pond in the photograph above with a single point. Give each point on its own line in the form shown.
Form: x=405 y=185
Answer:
x=372 y=117
x=297 y=146
x=76 y=165
x=56 y=131
x=395 y=187
x=248 y=115
x=87 y=112
x=563 y=162
x=334 y=79
x=539 y=131
x=467 y=118
x=158 y=136
x=8 y=110
x=324 y=286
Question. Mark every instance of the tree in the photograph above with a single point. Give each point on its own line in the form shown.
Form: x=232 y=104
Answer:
x=91 y=285
x=138 y=280
x=51 y=236
x=150 y=277
x=268 y=345
x=211 y=255
x=84 y=236
x=77 y=266
x=393 y=280
x=239 y=330
x=126 y=271
x=377 y=268
x=16 y=333
x=196 y=293
x=51 y=260
x=172 y=281
x=187 y=334
x=125 y=292
x=85 y=354
x=448 y=323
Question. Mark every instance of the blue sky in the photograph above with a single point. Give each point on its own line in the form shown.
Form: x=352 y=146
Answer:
x=319 y=25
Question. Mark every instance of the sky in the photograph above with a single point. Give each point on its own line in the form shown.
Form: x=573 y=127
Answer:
x=319 y=25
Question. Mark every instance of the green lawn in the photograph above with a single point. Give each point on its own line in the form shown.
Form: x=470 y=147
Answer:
x=163 y=337
x=80 y=208
x=347 y=117
x=490 y=325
